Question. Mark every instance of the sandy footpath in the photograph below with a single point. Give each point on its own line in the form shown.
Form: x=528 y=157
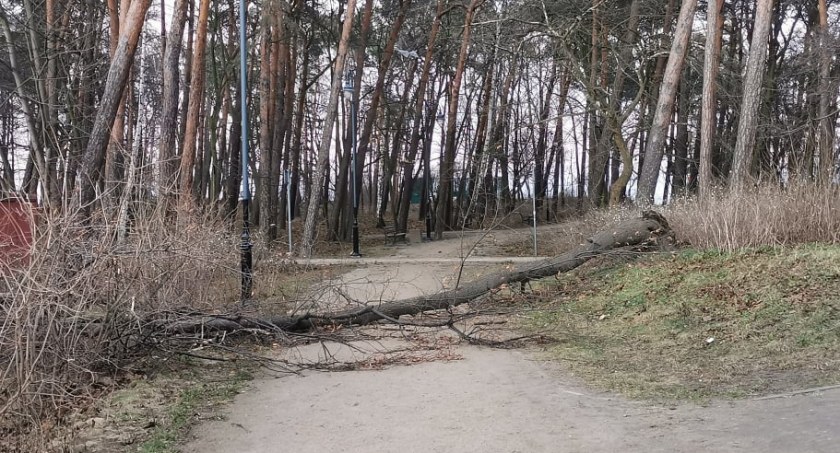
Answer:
x=490 y=400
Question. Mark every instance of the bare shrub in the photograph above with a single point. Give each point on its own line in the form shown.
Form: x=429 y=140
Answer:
x=766 y=215
x=762 y=216
x=82 y=305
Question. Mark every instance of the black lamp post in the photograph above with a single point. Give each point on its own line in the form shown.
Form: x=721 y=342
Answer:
x=245 y=190
x=348 y=93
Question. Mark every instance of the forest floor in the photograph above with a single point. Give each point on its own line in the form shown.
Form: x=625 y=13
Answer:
x=421 y=390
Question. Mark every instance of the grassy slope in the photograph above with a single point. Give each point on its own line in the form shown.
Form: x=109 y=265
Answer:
x=696 y=325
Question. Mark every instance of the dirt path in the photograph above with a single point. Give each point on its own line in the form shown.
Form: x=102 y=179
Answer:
x=489 y=400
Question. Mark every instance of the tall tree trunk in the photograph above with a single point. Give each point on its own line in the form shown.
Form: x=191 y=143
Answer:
x=340 y=219
x=37 y=161
x=51 y=140
x=826 y=97
x=558 y=145
x=711 y=67
x=234 y=176
x=322 y=165
x=540 y=170
x=477 y=190
x=665 y=104
x=342 y=165
x=447 y=167
x=185 y=94
x=294 y=161
x=597 y=154
x=376 y=96
x=115 y=153
x=617 y=188
x=680 y=167
x=414 y=140
x=84 y=110
x=126 y=197
x=616 y=118
x=41 y=117
x=187 y=203
x=94 y=157
x=268 y=66
x=753 y=77
x=283 y=119
x=498 y=145
x=169 y=111
x=391 y=171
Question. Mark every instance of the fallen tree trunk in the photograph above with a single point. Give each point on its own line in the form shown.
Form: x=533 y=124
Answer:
x=650 y=232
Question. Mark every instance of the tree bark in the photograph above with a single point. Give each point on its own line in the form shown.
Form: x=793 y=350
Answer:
x=541 y=172
x=680 y=162
x=391 y=172
x=34 y=137
x=616 y=118
x=754 y=74
x=115 y=153
x=284 y=103
x=169 y=110
x=590 y=127
x=447 y=167
x=626 y=159
x=94 y=156
x=268 y=66
x=414 y=140
x=376 y=97
x=53 y=146
x=826 y=124
x=340 y=219
x=665 y=104
x=187 y=203
x=293 y=162
x=711 y=67
x=134 y=158
x=322 y=164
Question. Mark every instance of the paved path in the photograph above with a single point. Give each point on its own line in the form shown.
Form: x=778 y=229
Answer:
x=490 y=401
x=418 y=260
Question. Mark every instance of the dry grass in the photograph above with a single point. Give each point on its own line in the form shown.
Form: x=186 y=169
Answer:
x=84 y=307
x=767 y=215
x=764 y=216
x=749 y=308
x=698 y=325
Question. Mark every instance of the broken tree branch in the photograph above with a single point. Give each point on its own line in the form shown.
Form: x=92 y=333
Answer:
x=650 y=232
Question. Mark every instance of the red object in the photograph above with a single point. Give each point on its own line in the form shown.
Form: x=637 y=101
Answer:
x=16 y=224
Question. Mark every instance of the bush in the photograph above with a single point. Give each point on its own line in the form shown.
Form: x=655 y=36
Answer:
x=82 y=305
x=764 y=216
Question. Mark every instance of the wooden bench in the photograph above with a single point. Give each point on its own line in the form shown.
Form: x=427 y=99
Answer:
x=392 y=233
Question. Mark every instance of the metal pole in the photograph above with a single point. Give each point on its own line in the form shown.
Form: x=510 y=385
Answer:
x=356 y=252
x=245 y=190
x=287 y=176
x=427 y=192
x=534 y=215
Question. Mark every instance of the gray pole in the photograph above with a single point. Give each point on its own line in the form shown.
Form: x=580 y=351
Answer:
x=287 y=179
x=534 y=214
x=245 y=245
x=350 y=90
